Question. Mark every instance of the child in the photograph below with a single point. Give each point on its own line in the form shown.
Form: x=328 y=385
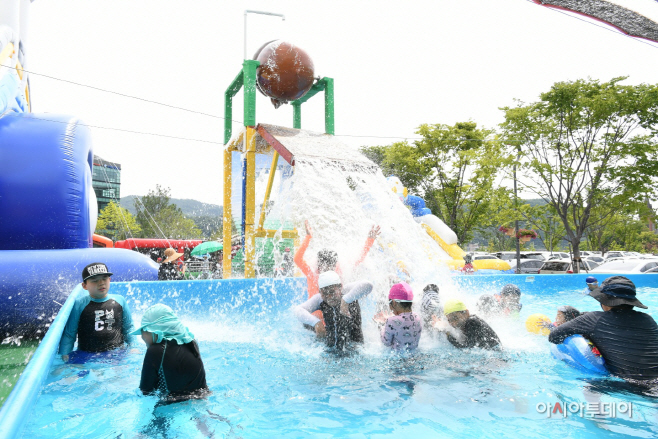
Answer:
x=400 y=331
x=566 y=314
x=172 y=363
x=506 y=303
x=431 y=304
x=101 y=321
x=472 y=331
x=592 y=283
x=341 y=328
x=327 y=260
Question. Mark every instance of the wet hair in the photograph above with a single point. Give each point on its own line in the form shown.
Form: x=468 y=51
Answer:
x=431 y=287
x=510 y=290
x=406 y=306
x=327 y=259
x=569 y=312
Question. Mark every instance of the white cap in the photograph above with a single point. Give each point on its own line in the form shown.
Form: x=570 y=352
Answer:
x=328 y=278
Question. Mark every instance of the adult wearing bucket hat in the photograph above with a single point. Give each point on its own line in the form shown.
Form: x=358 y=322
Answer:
x=168 y=270
x=627 y=339
x=340 y=308
x=172 y=364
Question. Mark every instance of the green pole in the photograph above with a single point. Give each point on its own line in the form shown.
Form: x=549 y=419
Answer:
x=329 y=106
x=249 y=69
x=297 y=115
x=231 y=91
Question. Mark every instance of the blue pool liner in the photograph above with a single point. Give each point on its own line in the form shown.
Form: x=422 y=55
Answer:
x=254 y=296
x=18 y=405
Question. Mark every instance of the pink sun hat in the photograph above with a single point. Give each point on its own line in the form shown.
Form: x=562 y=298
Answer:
x=401 y=292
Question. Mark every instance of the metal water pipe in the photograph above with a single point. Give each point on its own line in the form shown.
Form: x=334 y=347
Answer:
x=249 y=11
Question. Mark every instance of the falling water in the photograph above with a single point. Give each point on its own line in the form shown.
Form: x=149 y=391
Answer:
x=342 y=200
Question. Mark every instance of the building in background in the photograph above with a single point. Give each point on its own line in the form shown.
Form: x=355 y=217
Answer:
x=106 y=181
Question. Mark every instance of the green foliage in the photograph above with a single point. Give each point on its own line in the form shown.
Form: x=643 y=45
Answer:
x=209 y=225
x=158 y=218
x=117 y=223
x=585 y=142
x=452 y=168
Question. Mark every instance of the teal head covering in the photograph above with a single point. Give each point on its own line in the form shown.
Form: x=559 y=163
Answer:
x=161 y=321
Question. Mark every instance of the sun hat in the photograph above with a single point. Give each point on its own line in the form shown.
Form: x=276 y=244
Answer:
x=161 y=321
x=510 y=290
x=95 y=269
x=401 y=292
x=328 y=278
x=171 y=255
x=453 y=305
x=617 y=290
x=591 y=280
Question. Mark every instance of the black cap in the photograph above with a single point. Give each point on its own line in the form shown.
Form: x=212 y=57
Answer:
x=95 y=269
x=615 y=291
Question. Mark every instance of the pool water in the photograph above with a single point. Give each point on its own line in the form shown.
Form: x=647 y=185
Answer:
x=269 y=378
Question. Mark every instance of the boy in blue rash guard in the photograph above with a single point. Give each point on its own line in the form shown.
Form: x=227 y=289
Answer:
x=101 y=321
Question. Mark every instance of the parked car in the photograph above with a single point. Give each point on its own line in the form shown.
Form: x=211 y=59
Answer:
x=546 y=255
x=528 y=266
x=627 y=266
x=597 y=259
x=511 y=256
x=477 y=257
x=563 y=266
x=617 y=254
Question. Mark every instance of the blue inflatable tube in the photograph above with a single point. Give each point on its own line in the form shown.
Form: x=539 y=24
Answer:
x=34 y=283
x=576 y=351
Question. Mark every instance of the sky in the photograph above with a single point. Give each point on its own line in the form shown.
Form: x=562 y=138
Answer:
x=395 y=65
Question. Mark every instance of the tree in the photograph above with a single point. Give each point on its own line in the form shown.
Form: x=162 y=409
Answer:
x=545 y=219
x=584 y=142
x=209 y=225
x=159 y=218
x=116 y=223
x=452 y=167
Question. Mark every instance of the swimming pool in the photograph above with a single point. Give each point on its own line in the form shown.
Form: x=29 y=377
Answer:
x=270 y=379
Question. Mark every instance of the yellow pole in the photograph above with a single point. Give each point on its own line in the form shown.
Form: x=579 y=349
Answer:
x=228 y=217
x=250 y=214
x=268 y=191
x=6 y=53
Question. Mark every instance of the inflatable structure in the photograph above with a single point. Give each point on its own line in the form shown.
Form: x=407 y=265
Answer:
x=580 y=354
x=47 y=202
x=441 y=233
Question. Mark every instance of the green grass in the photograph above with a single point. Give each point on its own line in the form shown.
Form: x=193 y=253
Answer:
x=13 y=360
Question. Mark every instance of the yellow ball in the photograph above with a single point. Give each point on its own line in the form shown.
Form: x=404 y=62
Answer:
x=537 y=324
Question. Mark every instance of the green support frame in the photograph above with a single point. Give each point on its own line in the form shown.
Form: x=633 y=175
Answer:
x=326 y=85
